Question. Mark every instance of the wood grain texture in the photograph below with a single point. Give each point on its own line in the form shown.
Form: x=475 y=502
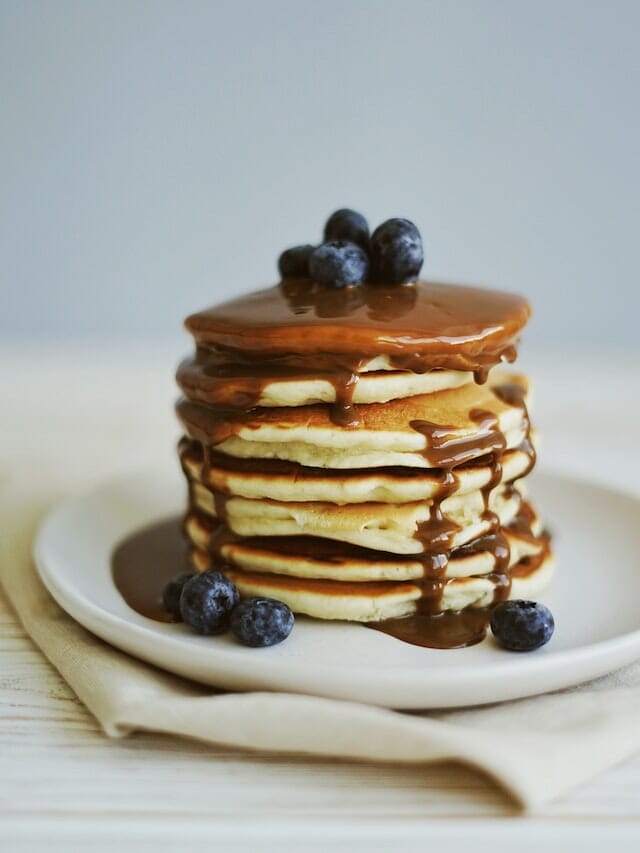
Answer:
x=65 y=786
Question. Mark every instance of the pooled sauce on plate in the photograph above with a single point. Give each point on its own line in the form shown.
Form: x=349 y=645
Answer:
x=144 y=563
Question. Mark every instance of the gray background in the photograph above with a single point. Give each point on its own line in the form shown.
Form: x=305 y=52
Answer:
x=157 y=156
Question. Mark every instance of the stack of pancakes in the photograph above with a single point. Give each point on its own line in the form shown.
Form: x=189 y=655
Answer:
x=364 y=465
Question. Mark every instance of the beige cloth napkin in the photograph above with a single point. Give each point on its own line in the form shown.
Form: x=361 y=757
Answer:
x=536 y=749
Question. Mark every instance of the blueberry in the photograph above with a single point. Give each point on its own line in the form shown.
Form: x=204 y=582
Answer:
x=171 y=595
x=522 y=626
x=348 y=225
x=261 y=622
x=396 y=252
x=206 y=602
x=339 y=263
x=294 y=262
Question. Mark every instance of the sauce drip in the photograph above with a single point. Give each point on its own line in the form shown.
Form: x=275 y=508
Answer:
x=429 y=625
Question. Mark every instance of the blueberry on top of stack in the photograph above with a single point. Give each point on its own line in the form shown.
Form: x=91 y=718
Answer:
x=348 y=256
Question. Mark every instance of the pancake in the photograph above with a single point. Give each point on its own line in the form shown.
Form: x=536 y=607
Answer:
x=228 y=385
x=311 y=557
x=399 y=528
x=280 y=480
x=374 y=602
x=424 y=431
x=426 y=325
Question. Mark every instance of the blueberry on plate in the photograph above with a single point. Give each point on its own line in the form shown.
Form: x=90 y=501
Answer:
x=261 y=622
x=206 y=602
x=396 y=252
x=172 y=592
x=522 y=626
x=338 y=264
x=346 y=224
x=294 y=262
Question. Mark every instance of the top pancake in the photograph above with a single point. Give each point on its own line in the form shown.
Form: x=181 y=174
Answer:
x=425 y=324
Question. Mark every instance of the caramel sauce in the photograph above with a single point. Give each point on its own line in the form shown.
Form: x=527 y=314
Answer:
x=300 y=330
x=438 y=325
x=448 y=630
x=144 y=563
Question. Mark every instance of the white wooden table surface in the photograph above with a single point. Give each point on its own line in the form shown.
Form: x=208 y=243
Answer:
x=65 y=787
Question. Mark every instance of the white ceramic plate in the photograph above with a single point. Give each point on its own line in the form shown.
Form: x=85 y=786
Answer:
x=594 y=597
